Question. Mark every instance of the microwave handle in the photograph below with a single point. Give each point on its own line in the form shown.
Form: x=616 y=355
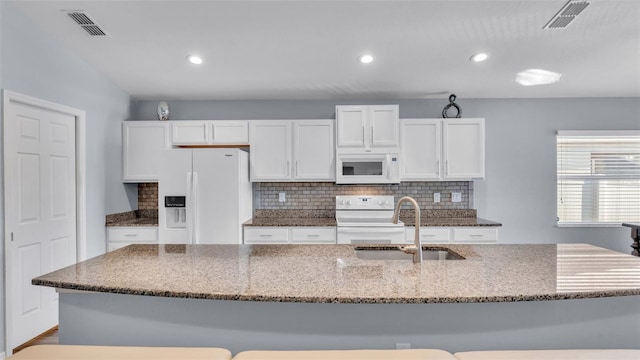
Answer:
x=392 y=172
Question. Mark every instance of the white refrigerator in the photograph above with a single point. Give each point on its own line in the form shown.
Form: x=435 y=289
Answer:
x=204 y=196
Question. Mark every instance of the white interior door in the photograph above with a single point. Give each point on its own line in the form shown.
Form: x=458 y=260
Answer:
x=40 y=213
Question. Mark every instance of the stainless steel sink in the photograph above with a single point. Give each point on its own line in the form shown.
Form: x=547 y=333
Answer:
x=395 y=253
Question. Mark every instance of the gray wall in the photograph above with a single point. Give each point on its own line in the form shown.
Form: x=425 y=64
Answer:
x=519 y=189
x=35 y=65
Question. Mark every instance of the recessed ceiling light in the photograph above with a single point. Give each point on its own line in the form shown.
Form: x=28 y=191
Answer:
x=479 y=57
x=531 y=77
x=194 y=59
x=365 y=59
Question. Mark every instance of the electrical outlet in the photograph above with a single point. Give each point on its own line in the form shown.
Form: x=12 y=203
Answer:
x=456 y=197
x=436 y=197
x=403 y=346
x=282 y=197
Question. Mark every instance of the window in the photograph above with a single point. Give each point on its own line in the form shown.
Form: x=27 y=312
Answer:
x=598 y=177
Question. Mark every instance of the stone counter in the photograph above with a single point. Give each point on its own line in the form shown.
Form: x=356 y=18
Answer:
x=288 y=222
x=133 y=218
x=334 y=274
x=429 y=218
x=444 y=222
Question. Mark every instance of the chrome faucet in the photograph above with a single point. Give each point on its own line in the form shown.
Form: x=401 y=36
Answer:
x=416 y=248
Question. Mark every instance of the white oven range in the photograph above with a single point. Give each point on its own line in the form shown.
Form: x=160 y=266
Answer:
x=366 y=219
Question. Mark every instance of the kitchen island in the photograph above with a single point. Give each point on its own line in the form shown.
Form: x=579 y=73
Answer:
x=303 y=296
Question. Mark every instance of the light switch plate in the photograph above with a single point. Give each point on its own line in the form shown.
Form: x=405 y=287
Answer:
x=282 y=197
x=456 y=197
x=436 y=197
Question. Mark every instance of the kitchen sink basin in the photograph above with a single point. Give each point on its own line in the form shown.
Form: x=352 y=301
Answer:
x=395 y=253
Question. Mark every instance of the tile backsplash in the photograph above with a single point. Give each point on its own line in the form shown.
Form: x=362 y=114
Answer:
x=321 y=196
x=148 y=196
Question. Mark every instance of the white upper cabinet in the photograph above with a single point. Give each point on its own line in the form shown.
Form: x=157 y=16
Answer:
x=142 y=144
x=420 y=149
x=229 y=132
x=442 y=149
x=188 y=132
x=463 y=148
x=292 y=150
x=351 y=122
x=383 y=126
x=270 y=150
x=313 y=150
x=209 y=132
x=366 y=127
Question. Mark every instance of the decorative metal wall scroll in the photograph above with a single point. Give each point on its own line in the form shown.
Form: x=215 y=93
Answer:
x=452 y=99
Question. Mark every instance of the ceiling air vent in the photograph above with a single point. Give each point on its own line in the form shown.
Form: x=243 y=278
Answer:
x=82 y=19
x=566 y=15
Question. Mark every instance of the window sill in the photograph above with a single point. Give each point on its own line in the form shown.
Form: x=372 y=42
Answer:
x=589 y=225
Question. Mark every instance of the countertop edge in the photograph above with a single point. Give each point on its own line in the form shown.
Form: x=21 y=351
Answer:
x=341 y=300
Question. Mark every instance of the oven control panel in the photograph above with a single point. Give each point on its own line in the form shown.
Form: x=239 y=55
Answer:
x=365 y=202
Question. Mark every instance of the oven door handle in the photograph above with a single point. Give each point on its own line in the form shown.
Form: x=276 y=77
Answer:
x=369 y=230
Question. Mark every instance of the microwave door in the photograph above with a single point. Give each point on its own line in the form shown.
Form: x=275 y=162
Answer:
x=362 y=168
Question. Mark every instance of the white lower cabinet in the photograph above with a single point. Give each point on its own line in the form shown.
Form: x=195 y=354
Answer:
x=313 y=235
x=266 y=235
x=475 y=235
x=121 y=236
x=429 y=235
x=289 y=235
x=455 y=235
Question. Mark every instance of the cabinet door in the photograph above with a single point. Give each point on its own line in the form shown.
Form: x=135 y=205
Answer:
x=229 y=132
x=270 y=143
x=463 y=148
x=350 y=123
x=142 y=143
x=189 y=132
x=383 y=125
x=420 y=149
x=313 y=150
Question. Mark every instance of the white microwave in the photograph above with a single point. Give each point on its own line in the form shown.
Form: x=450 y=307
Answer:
x=368 y=168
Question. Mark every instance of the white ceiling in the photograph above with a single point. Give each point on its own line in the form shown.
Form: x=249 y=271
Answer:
x=309 y=49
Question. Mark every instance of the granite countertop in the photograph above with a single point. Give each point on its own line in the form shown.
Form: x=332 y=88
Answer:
x=133 y=218
x=291 y=222
x=429 y=218
x=292 y=218
x=334 y=274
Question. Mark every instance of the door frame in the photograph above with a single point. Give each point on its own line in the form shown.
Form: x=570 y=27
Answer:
x=10 y=97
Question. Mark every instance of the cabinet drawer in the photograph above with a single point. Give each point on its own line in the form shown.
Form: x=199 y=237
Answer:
x=475 y=234
x=429 y=235
x=132 y=234
x=265 y=235
x=317 y=235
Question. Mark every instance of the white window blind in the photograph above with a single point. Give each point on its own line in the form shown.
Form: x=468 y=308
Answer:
x=598 y=177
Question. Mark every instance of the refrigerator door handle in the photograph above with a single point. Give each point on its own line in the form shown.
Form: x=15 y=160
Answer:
x=189 y=208
x=196 y=222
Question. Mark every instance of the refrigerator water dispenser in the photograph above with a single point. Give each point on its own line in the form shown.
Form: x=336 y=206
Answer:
x=175 y=211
